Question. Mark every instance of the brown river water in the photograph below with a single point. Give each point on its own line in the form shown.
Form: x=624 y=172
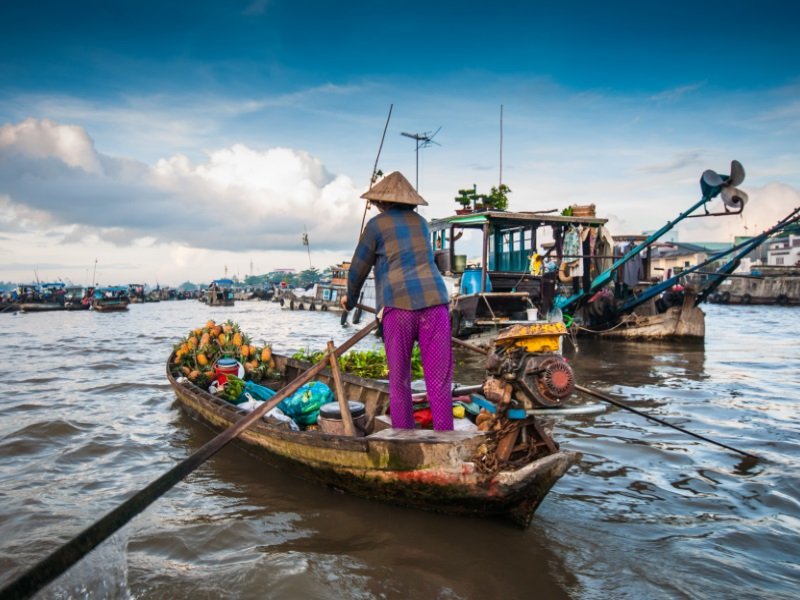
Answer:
x=87 y=418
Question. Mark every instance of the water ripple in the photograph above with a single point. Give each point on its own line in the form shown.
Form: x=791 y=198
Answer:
x=87 y=418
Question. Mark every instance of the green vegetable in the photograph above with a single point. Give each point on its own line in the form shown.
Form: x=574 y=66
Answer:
x=233 y=388
x=370 y=364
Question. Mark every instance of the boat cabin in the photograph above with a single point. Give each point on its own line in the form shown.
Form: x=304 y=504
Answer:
x=111 y=298
x=339 y=274
x=326 y=294
x=136 y=292
x=78 y=297
x=220 y=293
x=525 y=257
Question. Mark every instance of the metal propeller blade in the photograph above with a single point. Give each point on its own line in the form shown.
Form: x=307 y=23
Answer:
x=710 y=183
x=733 y=197
x=712 y=178
x=737 y=174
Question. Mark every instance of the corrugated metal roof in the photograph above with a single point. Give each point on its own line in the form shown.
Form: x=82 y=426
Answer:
x=504 y=219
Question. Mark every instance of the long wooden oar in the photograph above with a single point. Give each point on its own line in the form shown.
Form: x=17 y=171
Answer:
x=70 y=553
x=610 y=400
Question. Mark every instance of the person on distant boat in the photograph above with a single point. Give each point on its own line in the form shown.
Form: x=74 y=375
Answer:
x=411 y=297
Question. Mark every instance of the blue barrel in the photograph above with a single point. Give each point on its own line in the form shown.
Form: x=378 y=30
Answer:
x=471 y=282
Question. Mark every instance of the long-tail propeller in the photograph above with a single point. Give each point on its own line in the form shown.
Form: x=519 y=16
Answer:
x=713 y=184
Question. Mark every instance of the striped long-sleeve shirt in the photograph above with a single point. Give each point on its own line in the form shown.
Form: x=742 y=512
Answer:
x=396 y=242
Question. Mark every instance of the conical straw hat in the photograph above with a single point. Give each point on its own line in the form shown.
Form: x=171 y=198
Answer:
x=394 y=188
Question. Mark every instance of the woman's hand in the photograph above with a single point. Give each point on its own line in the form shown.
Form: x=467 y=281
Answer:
x=343 y=302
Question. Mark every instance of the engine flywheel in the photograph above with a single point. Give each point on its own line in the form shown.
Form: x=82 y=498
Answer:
x=556 y=379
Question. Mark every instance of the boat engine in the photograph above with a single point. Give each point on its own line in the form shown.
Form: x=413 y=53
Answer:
x=525 y=368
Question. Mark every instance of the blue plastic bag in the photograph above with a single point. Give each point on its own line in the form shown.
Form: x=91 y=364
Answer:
x=258 y=392
x=303 y=406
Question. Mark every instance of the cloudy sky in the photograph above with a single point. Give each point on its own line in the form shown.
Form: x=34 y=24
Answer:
x=174 y=140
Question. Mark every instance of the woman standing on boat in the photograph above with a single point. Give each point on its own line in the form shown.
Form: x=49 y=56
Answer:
x=411 y=298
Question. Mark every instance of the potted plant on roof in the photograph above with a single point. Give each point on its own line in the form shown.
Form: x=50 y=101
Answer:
x=466 y=198
x=497 y=198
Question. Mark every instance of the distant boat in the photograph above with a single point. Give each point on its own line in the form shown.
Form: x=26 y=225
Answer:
x=41 y=297
x=327 y=295
x=78 y=298
x=111 y=299
x=219 y=293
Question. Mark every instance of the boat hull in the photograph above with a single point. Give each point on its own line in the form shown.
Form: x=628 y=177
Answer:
x=780 y=290
x=110 y=306
x=40 y=306
x=686 y=321
x=415 y=468
x=77 y=306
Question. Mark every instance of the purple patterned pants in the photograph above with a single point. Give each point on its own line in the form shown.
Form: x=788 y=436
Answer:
x=431 y=327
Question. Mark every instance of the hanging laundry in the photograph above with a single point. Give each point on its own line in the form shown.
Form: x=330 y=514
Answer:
x=572 y=242
x=633 y=270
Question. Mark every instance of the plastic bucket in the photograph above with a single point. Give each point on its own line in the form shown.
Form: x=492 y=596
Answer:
x=330 y=418
x=533 y=314
x=442 y=259
x=471 y=282
x=226 y=366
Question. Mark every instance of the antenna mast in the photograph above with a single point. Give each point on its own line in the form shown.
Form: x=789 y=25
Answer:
x=423 y=141
x=308 y=247
x=501 y=146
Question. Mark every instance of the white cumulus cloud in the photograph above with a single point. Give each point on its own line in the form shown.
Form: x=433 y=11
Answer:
x=46 y=139
x=237 y=198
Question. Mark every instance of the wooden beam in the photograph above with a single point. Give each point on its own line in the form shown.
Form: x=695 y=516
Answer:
x=344 y=407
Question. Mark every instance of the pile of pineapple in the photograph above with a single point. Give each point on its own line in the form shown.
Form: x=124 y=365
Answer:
x=196 y=354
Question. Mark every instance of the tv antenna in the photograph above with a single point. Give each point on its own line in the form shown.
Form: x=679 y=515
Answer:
x=307 y=245
x=501 y=146
x=423 y=141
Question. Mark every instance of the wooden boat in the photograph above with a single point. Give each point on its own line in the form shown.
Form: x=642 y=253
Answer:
x=8 y=306
x=78 y=298
x=136 y=293
x=676 y=314
x=685 y=321
x=437 y=471
x=768 y=286
x=110 y=305
x=111 y=299
x=607 y=293
x=327 y=295
x=42 y=297
x=219 y=293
